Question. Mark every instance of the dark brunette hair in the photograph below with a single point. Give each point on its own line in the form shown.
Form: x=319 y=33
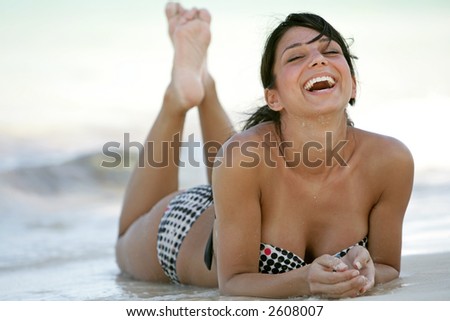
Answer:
x=307 y=20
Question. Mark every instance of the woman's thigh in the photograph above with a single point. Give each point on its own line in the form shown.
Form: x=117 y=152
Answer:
x=136 y=250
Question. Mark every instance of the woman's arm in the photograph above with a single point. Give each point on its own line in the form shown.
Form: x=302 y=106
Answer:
x=386 y=217
x=236 y=189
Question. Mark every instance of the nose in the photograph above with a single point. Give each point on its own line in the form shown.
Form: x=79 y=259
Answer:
x=318 y=60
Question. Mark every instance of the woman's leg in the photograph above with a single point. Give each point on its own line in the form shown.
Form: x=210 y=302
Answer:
x=190 y=34
x=151 y=187
x=215 y=124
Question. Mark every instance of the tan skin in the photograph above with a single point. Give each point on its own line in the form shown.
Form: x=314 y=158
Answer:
x=313 y=211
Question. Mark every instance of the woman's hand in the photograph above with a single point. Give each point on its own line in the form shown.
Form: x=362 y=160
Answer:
x=331 y=277
x=359 y=258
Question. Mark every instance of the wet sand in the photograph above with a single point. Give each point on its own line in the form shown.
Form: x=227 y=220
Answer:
x=58 y=233
x=423 y=278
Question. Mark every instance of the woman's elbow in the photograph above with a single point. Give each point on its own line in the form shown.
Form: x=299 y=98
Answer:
x=385 y=273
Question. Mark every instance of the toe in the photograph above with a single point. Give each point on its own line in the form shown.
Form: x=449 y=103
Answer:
x=172 y=9
x=204 y=15
x=190 y=14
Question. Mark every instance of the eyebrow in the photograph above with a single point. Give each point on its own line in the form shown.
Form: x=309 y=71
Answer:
x=299 y=44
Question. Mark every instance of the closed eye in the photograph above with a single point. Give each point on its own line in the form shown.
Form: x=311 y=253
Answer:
x=294 y=58
x=332 y=52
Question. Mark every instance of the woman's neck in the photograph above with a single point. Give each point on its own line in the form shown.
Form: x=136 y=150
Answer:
x=315 y=145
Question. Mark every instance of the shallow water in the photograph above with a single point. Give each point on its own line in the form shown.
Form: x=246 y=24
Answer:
x=58 y=234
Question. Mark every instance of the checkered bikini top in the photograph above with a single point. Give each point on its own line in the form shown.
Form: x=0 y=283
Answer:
x=274 y=260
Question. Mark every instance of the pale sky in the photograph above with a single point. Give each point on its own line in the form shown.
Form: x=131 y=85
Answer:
x=76 y=73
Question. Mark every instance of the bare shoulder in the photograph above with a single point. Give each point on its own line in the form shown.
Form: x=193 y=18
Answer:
x=250 y=143
x=384 y=154
x=240 y=160
x=382 y=147
x=255 y=134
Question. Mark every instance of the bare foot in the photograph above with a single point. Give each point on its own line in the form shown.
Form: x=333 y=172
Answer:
x=190 y=33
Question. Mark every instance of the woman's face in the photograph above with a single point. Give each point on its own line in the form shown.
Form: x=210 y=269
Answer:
x=311 y=79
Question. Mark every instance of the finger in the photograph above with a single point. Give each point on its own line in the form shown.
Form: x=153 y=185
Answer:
x=332 y=263
x=368 y=286
x=361 y=260
x=348 y=288
x=331 y=278
x=340 y=277
x=358 y=290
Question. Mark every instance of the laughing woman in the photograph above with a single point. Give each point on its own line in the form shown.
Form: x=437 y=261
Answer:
x=304 y=203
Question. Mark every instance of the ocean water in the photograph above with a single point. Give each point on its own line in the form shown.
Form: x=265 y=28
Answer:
x=58 y=227
x=77 y=75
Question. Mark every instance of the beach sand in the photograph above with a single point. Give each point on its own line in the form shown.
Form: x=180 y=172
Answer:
x=63 y=249
x=58 y=228
x=423 y=278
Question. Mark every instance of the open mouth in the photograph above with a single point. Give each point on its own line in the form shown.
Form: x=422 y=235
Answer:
x=319 y=83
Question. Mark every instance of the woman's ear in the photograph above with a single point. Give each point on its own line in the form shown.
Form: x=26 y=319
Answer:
x=272 y=99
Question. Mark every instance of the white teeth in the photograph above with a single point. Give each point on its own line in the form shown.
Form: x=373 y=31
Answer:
x=311 y=82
